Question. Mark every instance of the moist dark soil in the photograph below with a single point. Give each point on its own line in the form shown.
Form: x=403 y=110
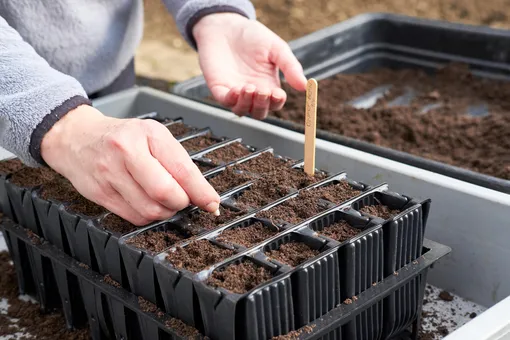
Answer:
x=29 y=177
x=116 y=224
x=261 y=193
x=278 y=170
x=229 y=179
x=206 y=220
x=239 y=278
x=40 y=326
x=204 y=167
x=340 y=231
x=9 y=166
x=87 y=208
x=108 y=279
x=83 y=265
x=228 y=153
x=147 y=306
x=59 y=189
x=198 y=143
x=446 y=296
x=445 y=134
x=178 y=129
x=157 y=241
x=198 y=255
x=246 y=236
x=308 y=203
x=292 y=253
x=381 y=211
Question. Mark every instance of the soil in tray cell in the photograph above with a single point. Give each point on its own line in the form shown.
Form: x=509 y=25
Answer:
x=246 y=236
x=240 y=278
x=279 y=170
x=29 y=177
x=117 y=224
x=445 y=133
x=206 y=220
x=9 y=166
x=178 y=129
x=156 y=241
x=309 y=203
x=340 y=231
x=198 y=143
x=228 y=153
x=292 y=253
x=86 y=208
x=198 y=255
x=229 y=179
x=379 y=210
x=204 y=167
x=59 y=189
x=263 y=192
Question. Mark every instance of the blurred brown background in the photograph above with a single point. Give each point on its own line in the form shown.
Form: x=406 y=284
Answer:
x=164 y=55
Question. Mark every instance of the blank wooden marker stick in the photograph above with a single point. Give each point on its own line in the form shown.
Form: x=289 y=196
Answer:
x=310 y=126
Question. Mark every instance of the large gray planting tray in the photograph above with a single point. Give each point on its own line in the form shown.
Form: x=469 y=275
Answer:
x=472 y=220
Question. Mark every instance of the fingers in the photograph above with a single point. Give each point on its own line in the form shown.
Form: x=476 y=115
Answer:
x=261 y=103
x=245 y=102
x=278 y=98
x=177 y=163
x=282 y=56
x=225 y=96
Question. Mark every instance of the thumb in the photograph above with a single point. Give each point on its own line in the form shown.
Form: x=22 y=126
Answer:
x=283 y=57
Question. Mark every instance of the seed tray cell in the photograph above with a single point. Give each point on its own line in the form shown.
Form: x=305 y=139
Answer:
x=404 y=231
x=85 y=299
x=22 y=207
x=202 y=133
x=5 y=204
x=203 y=155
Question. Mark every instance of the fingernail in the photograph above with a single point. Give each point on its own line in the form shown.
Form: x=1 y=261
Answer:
x=213 y=207
x=250 y=88
x=217 y=213
x=262 y=96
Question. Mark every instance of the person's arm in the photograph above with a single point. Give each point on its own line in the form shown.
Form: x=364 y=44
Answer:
x=134 y=168
x=188 y=12
x=33 y=96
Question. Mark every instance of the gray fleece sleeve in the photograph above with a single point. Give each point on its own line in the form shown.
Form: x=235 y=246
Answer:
x=33 y=96
x=188 y=12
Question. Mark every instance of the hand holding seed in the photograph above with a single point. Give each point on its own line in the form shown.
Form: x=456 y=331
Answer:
x=134 y=168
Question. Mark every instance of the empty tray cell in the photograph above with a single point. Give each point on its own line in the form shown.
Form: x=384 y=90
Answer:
x=199 y=143
x=294 y=249
x=179 y=129
x=198 y=221
x=197 y=255
x=229 y=179
x=247 y=233
x=228 y=153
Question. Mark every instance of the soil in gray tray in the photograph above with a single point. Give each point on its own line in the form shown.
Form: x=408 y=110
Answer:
x=178 y=129
x=228 y=153
x=229 y=179
x=198 y=143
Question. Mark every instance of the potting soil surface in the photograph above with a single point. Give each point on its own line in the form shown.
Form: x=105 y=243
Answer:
x=340 y=231
x=229 y=179
x=246 y=236
x=198 y=255
x=157 y=241
x=203 y=167
x=198 y=143
x=116 y=224
x=228 y=153
x=451 y=314
x=240 y=278
x=451 y=117
x=178 y=129
x=10 y=166
x=206 y=220
x=379 y=210
x=292 y=253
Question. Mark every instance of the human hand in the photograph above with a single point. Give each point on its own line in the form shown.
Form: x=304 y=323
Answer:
x=240 y=60
x=134 y=168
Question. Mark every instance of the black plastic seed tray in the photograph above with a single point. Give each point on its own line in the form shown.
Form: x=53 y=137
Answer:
x=23 y=209
x=58 y=281
x=5 y=204
x=371 y=41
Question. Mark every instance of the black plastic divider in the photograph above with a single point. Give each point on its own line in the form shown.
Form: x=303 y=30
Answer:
x=5 y=203
x=202 y=155
x=202 y=132
x=404 y=231
x=110 y=313
x=52 y=228
x=22 y=206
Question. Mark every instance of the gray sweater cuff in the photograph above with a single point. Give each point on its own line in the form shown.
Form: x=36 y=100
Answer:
x=188 y=13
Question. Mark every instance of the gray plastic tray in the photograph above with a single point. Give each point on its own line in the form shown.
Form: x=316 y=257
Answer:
x=371 y=41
